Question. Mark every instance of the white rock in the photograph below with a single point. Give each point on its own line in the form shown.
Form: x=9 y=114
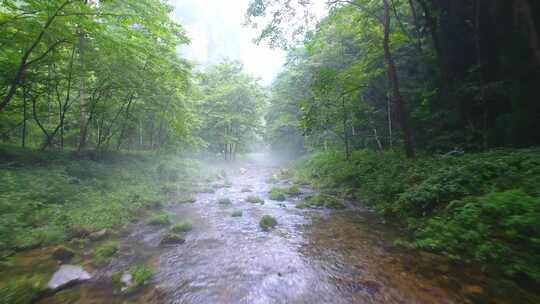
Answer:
x=66 y=275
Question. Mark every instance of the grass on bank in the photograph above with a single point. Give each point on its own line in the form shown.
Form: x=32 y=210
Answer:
x=481 y=207
x=49 y=198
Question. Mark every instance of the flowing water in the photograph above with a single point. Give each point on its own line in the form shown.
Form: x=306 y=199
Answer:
x=312 y=256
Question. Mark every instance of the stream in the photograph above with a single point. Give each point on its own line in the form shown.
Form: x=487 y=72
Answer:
x=311 y=256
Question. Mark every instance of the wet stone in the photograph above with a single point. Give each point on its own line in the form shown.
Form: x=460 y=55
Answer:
x=66 y=276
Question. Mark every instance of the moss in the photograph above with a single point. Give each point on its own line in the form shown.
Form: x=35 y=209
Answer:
x=142 y=274
x=182 y=227
x=237 y=213
x=277 y=194
x=224 y=201
x=104 y=253
x=172 y=239
x=254 y=199
x=267 y=222
x=159 y=219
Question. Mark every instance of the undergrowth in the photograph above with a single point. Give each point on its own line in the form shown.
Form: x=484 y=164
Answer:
x=482 y=207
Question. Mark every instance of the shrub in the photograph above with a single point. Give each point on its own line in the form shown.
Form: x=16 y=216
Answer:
x=22 y=290
x=267 y=222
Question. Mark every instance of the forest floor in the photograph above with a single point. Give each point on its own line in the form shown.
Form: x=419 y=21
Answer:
x=205 y=242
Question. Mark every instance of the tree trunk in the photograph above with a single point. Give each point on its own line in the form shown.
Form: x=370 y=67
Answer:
x=523 y=8
x=83 y=127
x=24 y=118
x=398 y=99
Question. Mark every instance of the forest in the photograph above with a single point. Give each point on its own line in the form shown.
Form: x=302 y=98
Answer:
x=421 y=114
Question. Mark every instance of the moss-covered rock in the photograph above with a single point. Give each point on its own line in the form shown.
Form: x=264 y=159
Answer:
x=224 y=201
x=172 y=239
x=267 y=222
x=237 y=213
x=277 y=194
x=254 y=199
x=184 y=226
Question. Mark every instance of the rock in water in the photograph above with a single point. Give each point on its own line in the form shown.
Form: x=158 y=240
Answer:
x=68 y=275
x=172 y=239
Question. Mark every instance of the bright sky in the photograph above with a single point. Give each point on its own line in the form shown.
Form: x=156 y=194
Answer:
x=216 y=32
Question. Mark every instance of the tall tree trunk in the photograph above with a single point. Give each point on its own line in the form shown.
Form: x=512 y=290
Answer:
x=25 y=101
x=523 y=7
x=398 y=99
x=83 y=126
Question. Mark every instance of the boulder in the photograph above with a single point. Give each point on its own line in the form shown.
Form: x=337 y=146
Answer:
x=68 y=275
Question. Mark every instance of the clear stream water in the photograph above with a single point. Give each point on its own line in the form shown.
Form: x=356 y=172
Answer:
x=312 y=256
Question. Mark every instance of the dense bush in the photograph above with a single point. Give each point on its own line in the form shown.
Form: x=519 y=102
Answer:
x=477 y=207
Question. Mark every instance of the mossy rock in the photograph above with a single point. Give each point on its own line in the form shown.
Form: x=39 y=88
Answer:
x=237 y=213
x=267 y=222
x=321 y=200
x=63 y=254
x=224 y=201
x=172 y=239
x=159 y=219
x=142 y=274
x=187 y=200
x=207 y=190
x=277 y=194
x=104 y=253
x=182 y=227
x=254 y=199
x=293 y=191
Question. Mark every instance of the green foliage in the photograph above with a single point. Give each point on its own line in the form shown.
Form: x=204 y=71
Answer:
x=478 y=207
x=267 y=222
x=277 y=194
x=254 y=199
x=105 y=252
x=184 y=226
x=142 y=274
x=22 y=290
